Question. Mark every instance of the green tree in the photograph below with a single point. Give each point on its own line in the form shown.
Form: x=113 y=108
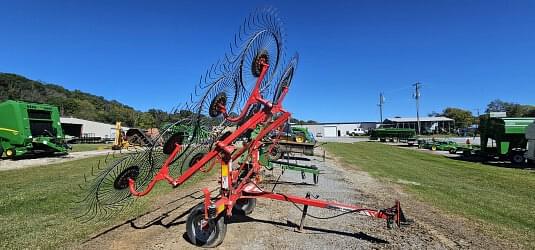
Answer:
x=511 y=109
x=463 y=118
x=160 y=117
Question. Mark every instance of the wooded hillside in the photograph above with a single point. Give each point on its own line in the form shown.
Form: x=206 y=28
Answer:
x=77 y=103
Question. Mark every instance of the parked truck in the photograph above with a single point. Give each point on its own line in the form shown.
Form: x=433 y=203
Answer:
x=506 y=136
x=30 y=128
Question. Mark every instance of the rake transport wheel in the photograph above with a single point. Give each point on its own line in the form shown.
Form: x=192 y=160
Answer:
x=245 y=205
x=205 y=233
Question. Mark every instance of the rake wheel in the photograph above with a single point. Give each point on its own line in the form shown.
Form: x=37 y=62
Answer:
x=286 y=78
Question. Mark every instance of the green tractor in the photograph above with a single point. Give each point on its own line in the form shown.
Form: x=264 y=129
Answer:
x=30 y=128
x=449 y=146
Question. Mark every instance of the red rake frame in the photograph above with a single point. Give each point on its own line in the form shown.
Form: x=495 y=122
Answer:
x=242 y=182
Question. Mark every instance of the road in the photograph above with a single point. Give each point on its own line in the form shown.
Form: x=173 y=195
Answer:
x=6 y=164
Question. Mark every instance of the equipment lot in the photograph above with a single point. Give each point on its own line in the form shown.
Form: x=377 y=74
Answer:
x=465 y=205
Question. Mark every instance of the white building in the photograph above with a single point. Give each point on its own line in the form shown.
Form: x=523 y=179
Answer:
x=84 y=128
x=338 y=129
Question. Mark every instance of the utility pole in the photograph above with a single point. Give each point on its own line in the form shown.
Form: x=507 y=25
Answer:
x=417 y=97
x=381 y=103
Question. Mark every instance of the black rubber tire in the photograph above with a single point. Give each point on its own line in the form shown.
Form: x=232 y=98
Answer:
x=246 y=205
x=453 y=151
x=1 y=152
x=518 y=158
x=215 y=233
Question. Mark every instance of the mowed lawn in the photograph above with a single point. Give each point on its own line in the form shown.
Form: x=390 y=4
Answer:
x=502 y=198
x=89 y=147
x=36 y=206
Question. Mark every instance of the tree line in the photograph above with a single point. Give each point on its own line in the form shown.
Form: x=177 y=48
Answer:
x=80 y=104
x=464 y=118
x=86 y=106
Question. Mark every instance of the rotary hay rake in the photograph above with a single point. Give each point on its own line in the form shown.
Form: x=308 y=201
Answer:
x=241 y=93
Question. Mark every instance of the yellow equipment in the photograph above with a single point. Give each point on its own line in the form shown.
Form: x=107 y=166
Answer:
x=119 y=142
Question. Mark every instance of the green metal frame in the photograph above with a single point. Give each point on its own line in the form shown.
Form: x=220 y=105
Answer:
x=269 y=164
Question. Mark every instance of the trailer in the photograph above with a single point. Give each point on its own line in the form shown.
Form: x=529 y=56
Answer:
x=294 y=140
x=30 y=128
x=506 y=136
x=394 y=135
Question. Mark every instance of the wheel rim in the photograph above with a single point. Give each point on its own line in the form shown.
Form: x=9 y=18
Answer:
x=203 y=234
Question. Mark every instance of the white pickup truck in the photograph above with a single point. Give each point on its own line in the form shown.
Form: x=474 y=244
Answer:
x=357 y=132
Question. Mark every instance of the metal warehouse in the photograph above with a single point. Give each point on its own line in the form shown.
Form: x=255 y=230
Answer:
x=84 y=128
x=337 y=129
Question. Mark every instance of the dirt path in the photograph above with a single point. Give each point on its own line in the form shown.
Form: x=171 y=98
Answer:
x=6 y=164
x=272 y=224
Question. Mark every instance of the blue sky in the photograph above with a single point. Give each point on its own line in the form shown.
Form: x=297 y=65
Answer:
x=150 y=54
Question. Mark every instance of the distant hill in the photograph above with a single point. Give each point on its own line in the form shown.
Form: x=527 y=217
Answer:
x=77 y=103
x=84 y=105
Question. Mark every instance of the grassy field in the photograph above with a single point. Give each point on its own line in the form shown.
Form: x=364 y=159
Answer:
x=89 y=147
x=502 y=198
x=36 y=205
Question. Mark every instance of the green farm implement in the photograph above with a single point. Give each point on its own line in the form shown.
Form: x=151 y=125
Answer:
x=450 y=146
x=394 y=135
x=30 y=128
x=266 y=158
x=506 y=137
x=294 y=140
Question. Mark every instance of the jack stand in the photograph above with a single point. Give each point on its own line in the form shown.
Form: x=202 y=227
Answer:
x=305 y=209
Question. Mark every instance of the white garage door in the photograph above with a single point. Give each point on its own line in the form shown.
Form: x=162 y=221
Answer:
x=329 y=131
